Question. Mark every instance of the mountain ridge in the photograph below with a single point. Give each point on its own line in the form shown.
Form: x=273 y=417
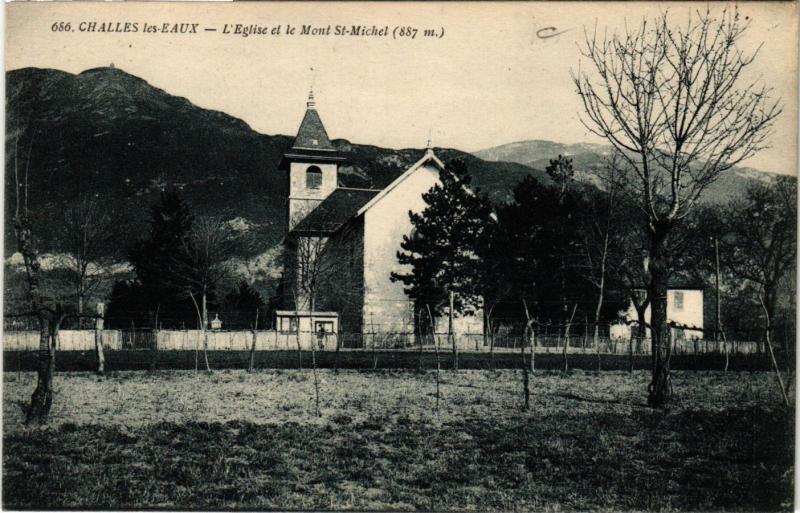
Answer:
x=111 y=135
x=588 y=157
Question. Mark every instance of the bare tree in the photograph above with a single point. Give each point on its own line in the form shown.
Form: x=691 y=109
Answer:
x=603 y=235
x=668 y=98
x=759 y=239
x=87 y=242
x=311 y=267
x=49 y=311
x=202 y=264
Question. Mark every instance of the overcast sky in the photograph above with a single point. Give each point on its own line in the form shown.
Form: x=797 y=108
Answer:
x=489 y=81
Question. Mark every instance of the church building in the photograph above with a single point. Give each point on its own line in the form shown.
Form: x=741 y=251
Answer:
x=341 y=245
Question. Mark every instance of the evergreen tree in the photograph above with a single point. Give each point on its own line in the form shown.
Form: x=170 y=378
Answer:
x=540 y=239
x=241 y=305
x=154 y=259
x=561 y=171
x=442 y=248
x=128 y=306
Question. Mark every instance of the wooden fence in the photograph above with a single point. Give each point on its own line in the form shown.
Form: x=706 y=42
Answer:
x=271 y=340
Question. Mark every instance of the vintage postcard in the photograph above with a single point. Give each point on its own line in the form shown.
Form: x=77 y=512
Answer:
x=431 y=256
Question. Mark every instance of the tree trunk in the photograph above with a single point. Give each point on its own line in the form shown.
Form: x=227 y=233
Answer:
x=566 y=337
x=450 y=335
x=253 y=347
x=533 y=349
x=314 y=356
x=768 y=343
x=491 y=346
x=727 y=351
x=528 y=327
x=98 y=346
x=599 y=306
x=372 y=338
x=80 y=310
x=42 y=398
x=419 y=347
x=205 y=311
x=597 y=349
x=526 y=391
x=205 y=350
x=660 y=388
x=718 y=314
x=436 y=348
x=630 y=353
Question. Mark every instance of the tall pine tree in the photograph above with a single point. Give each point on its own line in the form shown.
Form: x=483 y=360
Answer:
x=154 y=260
x=442 y=248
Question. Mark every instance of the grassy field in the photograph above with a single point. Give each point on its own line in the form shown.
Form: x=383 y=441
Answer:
x=180 y=439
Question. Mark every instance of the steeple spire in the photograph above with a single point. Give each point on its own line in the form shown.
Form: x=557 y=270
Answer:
x=311 y=104
x=312 y=134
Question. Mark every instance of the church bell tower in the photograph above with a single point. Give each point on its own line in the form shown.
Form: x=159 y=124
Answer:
x=312 y=164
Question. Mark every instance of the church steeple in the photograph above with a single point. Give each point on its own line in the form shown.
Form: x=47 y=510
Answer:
x=312 y=134
x=312 y=164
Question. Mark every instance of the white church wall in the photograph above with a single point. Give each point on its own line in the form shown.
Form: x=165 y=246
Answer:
x=385 y=223
x=386 y=305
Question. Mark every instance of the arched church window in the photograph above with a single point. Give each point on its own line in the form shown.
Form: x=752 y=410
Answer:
x=313 y=177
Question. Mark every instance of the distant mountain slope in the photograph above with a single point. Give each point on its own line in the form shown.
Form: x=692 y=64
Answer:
x=588 y=157
x=111 y=135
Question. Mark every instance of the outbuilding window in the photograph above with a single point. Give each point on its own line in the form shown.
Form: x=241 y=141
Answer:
x=678 y=301
x=287 y=324
x=313 y=177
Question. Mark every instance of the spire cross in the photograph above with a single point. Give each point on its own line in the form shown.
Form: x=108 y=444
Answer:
x=428 y=148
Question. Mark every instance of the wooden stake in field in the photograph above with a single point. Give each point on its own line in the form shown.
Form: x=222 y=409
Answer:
x=597 y=348
x=418 y=334
x=203 y=332
x=526 y=392
x=372 y=338
x=566 y=336
x=450 y=335
x=154 y=344
x=528 y=329
x=314 y=358
x=525 y=379
x=338 y=345
x=253 y=346
x=533 y=348
x=436 y=347
x=771 y=352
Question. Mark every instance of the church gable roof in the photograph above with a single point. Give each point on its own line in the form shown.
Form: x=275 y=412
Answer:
x=312 y=134
x=428 y=158
x=335 y=210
